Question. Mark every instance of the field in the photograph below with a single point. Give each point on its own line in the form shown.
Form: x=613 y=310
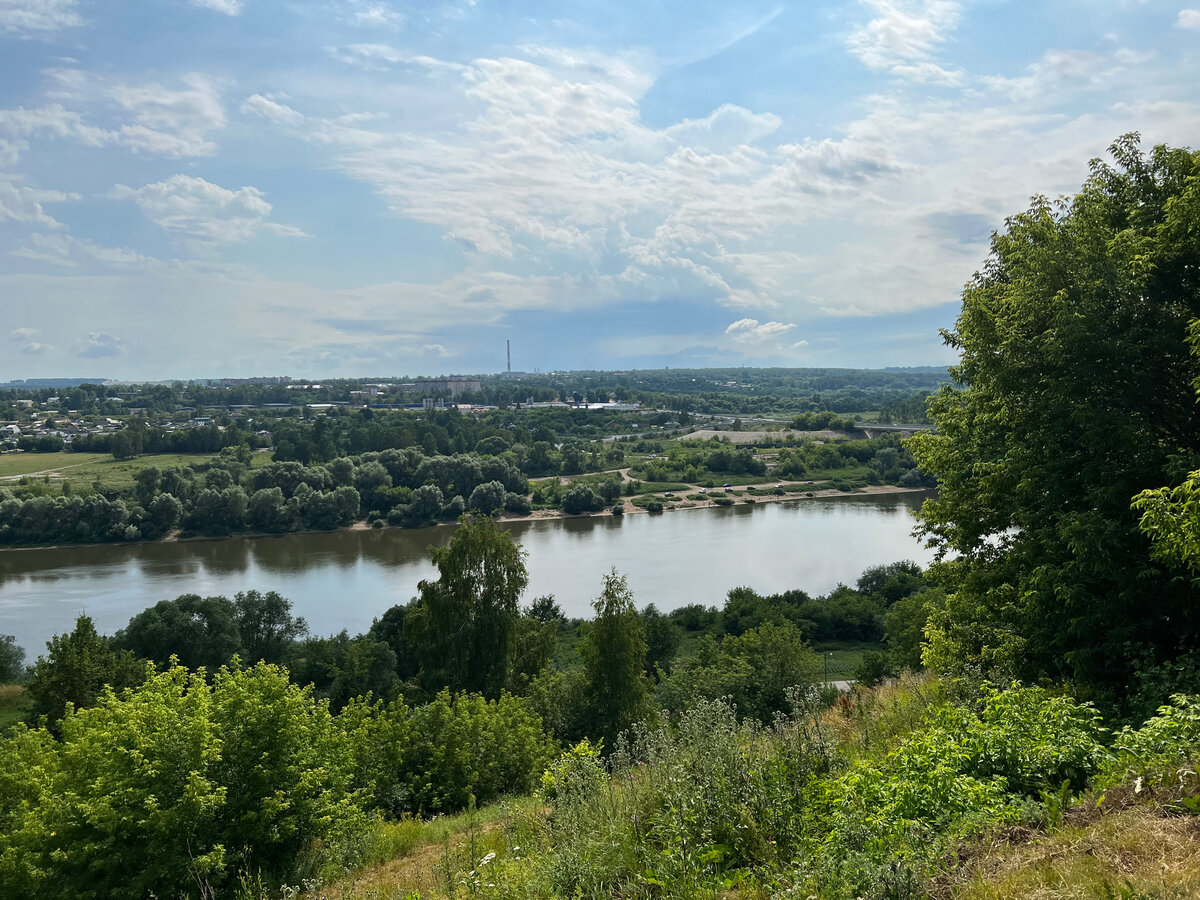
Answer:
x=82 y=469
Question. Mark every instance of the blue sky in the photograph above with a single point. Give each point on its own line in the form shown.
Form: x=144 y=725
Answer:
x=195 y=188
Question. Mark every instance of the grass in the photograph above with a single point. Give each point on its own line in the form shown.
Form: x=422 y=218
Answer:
x=1138 y=853
x=15 y=704
x=426 y=856
x=82 y=469
x=12 y=464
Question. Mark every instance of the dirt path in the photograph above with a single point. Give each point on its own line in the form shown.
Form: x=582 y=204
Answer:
x=44 y=472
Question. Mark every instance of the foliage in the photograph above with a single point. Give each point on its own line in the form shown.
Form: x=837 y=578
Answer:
x=76 y=670
x=177 y=788
x=1073 y=395
x=879 y=829
x=458 y=750
x=12 y=659
x=1161 y=752
x=461 y=624
x=754 y=671
x=615 y=687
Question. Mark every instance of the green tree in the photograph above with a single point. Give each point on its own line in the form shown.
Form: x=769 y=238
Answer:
x=461 y=624
x=199 y=631
x=580 y=498
x=615 y=687
x=75 y=670
x=12 y=658
x=1072 y=395
x=266 y=626
x=487 y=498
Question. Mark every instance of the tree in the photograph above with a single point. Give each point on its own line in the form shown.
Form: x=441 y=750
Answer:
x=200 y=631
x=75 y=670
x=580 y=498
x=12 y=658
x=487 y=498
x=426 y=505
x=266 y=625
x=461 y=624
x=615 y=687
x=1072 y=396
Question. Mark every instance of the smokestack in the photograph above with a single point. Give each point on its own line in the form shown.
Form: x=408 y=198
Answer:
x=508 y=348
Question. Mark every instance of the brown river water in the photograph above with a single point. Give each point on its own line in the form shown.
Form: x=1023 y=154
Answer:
x=344 y=579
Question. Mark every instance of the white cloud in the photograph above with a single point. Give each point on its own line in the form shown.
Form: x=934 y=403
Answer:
x=27 y=18
x=279 y=113
x=902 y=36
x=65 y=250
x=372 y=14
x=19 y=203
x=229 y=7
x=171 y=122
x=1056 y=70
x=202 y=213
x=98 y=345
x=23 y=334
x=749 y=331
x=369 y=56
x=1188 y=18
x=34 y=348
x=728 y=126
x=154 y=119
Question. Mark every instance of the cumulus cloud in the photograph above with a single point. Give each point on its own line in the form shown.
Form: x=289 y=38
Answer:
x=1188 y=18
x=558 y=160
x=199 y=211
x=98 y=345
x=902 y=35
x=149 y=117
x=750 y=331
x=20 y=203
x=22 y=334
x=725 y=127
x=27 y=18
x=34 y=348
x=229 y=7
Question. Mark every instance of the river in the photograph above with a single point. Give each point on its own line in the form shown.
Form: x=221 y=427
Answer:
x=344 y=579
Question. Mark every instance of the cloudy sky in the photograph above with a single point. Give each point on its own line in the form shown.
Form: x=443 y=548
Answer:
x=194 y=188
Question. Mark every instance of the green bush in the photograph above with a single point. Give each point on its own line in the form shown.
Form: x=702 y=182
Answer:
x=176 y=788
x=458 y=750
x=880 y=828
x=1162 y=751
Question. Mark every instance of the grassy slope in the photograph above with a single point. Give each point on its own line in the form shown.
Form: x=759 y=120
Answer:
x=1129 y=851
x=1121 y=845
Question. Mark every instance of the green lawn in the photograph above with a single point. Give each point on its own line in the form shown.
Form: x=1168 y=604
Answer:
x=28 y=463
x=81 y=469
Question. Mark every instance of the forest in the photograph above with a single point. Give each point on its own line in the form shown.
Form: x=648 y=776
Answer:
x=1030 y=726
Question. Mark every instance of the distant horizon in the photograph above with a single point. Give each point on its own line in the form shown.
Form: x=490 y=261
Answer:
x=19 y=382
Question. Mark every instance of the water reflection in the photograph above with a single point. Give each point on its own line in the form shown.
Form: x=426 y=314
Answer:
x=343 y=579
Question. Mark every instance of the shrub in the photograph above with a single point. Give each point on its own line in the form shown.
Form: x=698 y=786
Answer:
x=176 y=788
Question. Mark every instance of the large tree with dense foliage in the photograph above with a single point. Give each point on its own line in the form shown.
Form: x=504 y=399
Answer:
x=461 y=625
x=1073 y=395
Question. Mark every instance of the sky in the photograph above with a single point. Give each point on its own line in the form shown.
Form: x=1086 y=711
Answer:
x=204 y=188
